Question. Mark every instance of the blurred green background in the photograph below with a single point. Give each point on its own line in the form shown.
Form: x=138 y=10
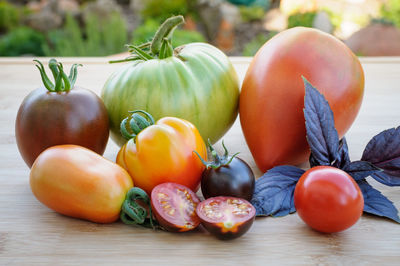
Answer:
x=238 y=27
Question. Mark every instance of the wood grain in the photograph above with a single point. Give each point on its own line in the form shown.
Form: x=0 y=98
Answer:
x=32 y=234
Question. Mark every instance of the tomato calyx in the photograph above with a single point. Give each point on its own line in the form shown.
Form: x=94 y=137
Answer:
x=136 y=124
x=63 y=83
x=134 y=213
x=160 y=47
x=217 y=160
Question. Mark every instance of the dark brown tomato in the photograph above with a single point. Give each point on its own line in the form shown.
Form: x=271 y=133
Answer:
x=47 y=119
x=226 y=217
x=235 y=179
x=174 y=207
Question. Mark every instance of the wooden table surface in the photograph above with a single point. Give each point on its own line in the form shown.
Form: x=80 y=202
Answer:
x=30 y=233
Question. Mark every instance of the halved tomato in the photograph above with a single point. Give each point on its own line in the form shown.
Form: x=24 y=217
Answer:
x=174 y=207
x=226 y=217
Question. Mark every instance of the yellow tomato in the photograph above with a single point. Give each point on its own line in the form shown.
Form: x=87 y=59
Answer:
x=163 y=152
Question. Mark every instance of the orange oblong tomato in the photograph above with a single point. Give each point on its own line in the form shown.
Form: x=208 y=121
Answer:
x=78 y=182
x=272 y=95
x=161 y=152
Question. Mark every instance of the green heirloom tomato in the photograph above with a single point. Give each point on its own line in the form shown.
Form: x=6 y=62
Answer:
x=196 y=82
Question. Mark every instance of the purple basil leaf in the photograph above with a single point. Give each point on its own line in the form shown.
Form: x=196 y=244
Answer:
x=360 y=169
x=383 y=151
x=274 y=191
x=322 y=136
x=313 y=162
x=387 y=178
x=343 y=159
x=377 y=204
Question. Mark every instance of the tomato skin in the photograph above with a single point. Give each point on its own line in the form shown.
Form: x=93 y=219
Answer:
x=163 y=152
x=181 y=201
x=78 y=182
x=328 y=199
x=217 y=213
x=47 y=119
x=235 y=179
x=272 y=95
x=198 y=84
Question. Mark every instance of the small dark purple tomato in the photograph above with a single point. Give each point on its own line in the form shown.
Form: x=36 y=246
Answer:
x=235 y=179
x=227 y=176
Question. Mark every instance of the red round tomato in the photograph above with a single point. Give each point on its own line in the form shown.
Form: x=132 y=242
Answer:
x=226 y=217
x=272 y=95
x=174 y=207
x=328 y=199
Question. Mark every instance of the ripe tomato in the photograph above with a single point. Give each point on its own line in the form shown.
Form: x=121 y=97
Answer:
x=174 y=207
x=78 y=182
x=71 y=115
x=328 y=199
x=272 y=95
x=234 y=179
x=227 y=176
x=226 y=217
x=163 y=152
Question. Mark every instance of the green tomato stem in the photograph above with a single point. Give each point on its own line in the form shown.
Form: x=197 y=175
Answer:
x=137 y=123
x=166 y=49
x=218 y=160
x=63 y=83
x=165 y=31
x=160 y=46
x=132 y=213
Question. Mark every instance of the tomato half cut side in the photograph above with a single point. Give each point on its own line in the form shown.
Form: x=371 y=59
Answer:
x=174 y=207
x=226 y=217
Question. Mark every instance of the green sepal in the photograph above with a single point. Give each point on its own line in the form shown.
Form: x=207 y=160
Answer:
x=46 y=81
x=53 y=67
x=58 y=86
x=73 y=73
x=62 y=81
x=124 y=132
x=217 y=160
x=67 y=85
x=140 y=53
x=129 y=58
x=136 y=123
x=132 y=213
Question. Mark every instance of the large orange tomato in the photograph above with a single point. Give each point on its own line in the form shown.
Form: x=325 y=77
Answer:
x=163 y=152
x=272 y=96
x=80 y=183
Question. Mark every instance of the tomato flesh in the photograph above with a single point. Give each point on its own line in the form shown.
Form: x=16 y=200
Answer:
x=226 y=217
x=174 y=207
x=328 y=199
